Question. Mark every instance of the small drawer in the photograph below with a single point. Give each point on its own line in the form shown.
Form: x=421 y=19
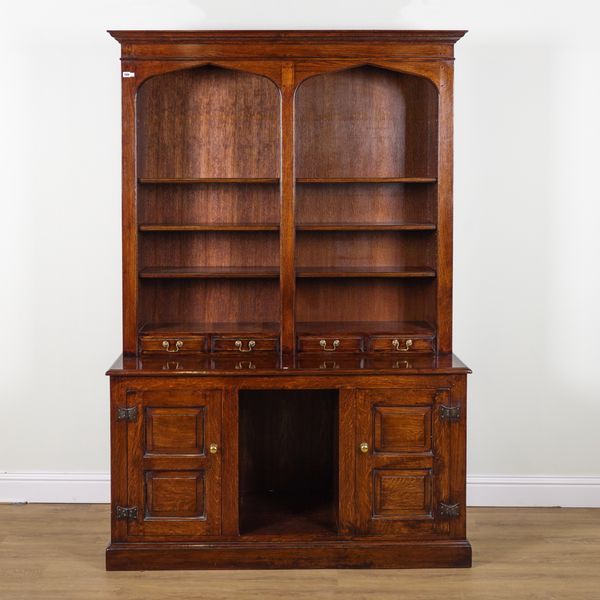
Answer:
x=245 y=344
x=400 y=343
x=172 y=345
x=330 y=343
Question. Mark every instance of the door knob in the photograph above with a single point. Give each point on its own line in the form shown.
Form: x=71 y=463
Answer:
x=364 y=447
x=213 y=448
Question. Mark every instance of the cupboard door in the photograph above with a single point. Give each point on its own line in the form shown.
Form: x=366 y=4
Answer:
x=402 y=464
x=174 y=462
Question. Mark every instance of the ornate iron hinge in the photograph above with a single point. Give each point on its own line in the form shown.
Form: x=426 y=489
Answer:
x=126 y=513
x=450 y=413
x=127 y=414
x=449 y=511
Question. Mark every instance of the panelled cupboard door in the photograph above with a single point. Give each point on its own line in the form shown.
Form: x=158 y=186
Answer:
x=402 y=464
x=174 y=462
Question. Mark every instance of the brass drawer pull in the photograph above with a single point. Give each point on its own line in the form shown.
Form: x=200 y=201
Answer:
x=335 y=344
x=238 y=345
x=166 y=345
x=407 y=345
x=364 y=447
x=213 y=448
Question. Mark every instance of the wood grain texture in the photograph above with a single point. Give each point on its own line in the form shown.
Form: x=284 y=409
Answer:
x=208 y=122
x=226 y=249
x=214 y=204
x=172 y=478
x=373 y=249
x=399 y=486
x=288 y=210
x=366 y=122
x=381 y=203
x=243 y=299
x=55 y=552
x=388 y=299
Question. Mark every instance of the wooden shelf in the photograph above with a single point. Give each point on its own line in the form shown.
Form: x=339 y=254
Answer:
x=173 y=329
x=185 y=180
x=367 y=271
x=210 y=273
x=213 y=227
x=366 y=180
x=366 y=227
x=365 y=327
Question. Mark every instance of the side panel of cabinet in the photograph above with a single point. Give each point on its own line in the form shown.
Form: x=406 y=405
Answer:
x=404 y=462
x=173 y=465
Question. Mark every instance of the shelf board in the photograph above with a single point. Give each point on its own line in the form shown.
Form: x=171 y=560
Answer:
x=196 y=327
x=213 y=227
x=210 y=273
x=367 y=271
x=365 y=327
x=186 y=180
x=366 y=180
x=366 y=227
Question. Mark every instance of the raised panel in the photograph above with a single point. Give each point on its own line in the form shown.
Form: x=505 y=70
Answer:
x=404 y=472
x=402 y=494
x=174 y=494
x=175 y=430
x=173 y=480
x=399 y=429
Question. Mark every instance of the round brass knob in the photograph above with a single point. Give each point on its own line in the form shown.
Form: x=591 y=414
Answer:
x=213 y=448
x=364 y=447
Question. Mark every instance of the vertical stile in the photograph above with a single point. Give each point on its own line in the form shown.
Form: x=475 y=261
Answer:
x=287 y=231
x=444 y=211
x=129 y=211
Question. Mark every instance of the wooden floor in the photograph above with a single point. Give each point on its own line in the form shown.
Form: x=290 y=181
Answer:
x=56 y=551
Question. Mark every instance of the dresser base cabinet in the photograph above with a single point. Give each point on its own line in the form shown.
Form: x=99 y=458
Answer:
x=288 y=471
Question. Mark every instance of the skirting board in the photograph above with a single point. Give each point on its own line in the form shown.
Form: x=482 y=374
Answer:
x=482 y=490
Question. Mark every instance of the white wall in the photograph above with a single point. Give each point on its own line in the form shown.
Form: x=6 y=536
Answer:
x=527 y=281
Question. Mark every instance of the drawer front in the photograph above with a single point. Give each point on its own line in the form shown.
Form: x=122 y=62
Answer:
x=244 y=344
x=172 y=345
x=400 y=344
x=330 y=343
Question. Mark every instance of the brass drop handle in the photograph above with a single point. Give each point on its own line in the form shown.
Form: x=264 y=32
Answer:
x=334 y=344
x=166 y=345
x=364 y=447
x=407 y=345
x=213 y=448
x=239 y=344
